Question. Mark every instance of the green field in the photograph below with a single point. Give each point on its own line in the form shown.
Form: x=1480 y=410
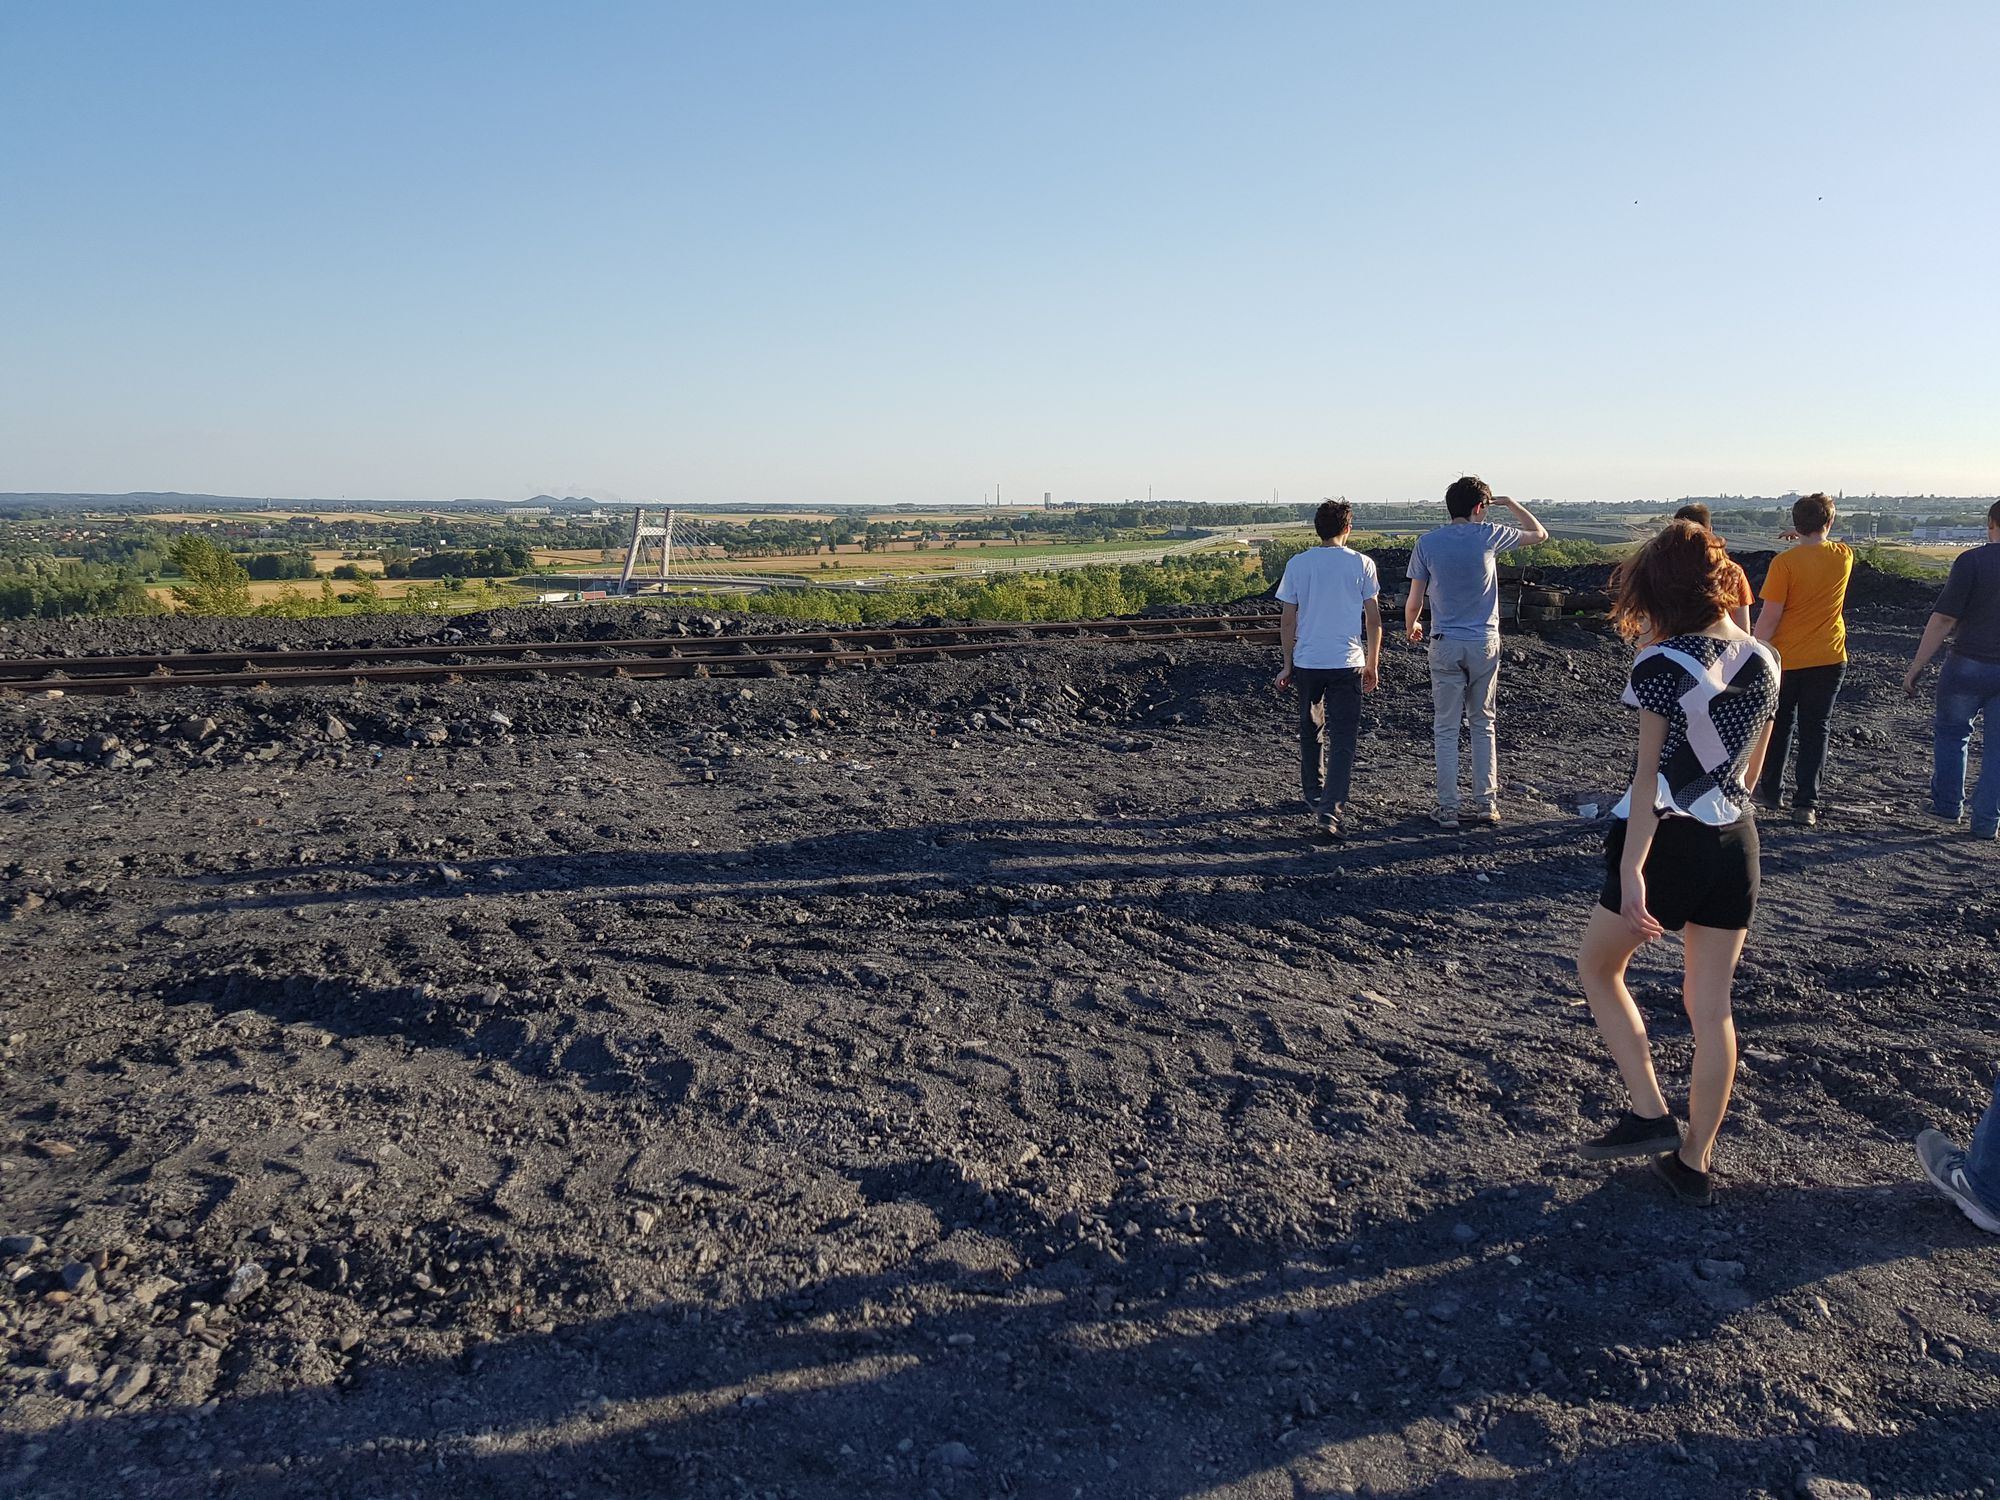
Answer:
x=937 y=557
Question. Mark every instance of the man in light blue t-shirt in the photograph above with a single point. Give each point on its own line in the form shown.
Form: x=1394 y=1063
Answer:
x=1453 y=567
x=1330 y=633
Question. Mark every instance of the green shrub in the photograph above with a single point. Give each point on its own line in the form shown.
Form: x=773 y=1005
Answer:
x=1278 y=550
x=214 y=582
x=267 y=565
x=1072 y=594
x=1565 y=554
x=1899 y=562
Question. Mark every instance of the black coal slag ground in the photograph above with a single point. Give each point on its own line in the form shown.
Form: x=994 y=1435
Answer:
x=959 y=1080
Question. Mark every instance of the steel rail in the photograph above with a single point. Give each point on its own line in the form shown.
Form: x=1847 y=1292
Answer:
x=758 y=663
x=16 y=669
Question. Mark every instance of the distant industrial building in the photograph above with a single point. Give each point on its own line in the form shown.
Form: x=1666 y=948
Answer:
x=1948 y=533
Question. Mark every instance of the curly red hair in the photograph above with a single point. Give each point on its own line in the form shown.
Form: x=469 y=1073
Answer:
x=1680 y=582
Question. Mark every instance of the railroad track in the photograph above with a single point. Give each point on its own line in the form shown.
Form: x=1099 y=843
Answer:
x=673 y=656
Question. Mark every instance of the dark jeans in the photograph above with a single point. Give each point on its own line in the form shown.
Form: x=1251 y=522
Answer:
x=1967 y=689
x=1326 y=758
x=1805 y=697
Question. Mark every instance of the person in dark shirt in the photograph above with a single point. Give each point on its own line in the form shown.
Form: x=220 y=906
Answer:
x=1968 y=612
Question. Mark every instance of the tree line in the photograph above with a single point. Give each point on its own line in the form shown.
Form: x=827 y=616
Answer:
x=41 y=588
x=1070 y=594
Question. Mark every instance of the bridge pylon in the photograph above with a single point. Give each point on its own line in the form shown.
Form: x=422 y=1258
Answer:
x=641 y=534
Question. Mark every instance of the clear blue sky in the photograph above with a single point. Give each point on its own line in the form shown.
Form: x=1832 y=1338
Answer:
x=870 y=252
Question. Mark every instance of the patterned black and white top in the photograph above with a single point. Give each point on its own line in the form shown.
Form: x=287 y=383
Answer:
x=1716 y=696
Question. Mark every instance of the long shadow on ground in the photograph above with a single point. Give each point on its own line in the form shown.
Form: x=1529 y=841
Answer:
x=1452 y=1354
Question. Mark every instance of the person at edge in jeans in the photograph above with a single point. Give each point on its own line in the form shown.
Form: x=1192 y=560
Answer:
x=1696 y=512
x=1971 y=1179
x=1331 y=633
x=1453 y=567
x=1968 y=611
x=1804 y=596
x=1681 y=853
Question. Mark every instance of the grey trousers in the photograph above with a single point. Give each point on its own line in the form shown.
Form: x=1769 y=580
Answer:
x=1464 y=678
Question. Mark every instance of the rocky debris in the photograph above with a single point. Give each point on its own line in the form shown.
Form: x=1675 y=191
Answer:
x=293 y=727
x=190 y=633
x=152 y=1289
x=63 y=1348
x=809 y=1093
x=953 y=1455
x=78 y=1377
x=128 y=1384
x=244 y=1282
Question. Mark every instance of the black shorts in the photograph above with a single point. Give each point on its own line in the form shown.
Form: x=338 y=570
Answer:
x=1694 y=873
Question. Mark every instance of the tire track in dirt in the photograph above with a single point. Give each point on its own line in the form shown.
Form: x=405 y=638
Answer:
x=710 y=1114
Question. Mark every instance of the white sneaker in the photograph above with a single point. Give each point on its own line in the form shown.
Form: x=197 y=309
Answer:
x=1944 y=1164
x=1446 y=817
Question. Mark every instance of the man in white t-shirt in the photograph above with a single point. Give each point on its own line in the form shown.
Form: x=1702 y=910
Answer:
x=1331 y=632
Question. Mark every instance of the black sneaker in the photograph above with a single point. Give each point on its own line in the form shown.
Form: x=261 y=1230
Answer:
x=1327 y=829
x=1633 y=1135
x=1689 y=1185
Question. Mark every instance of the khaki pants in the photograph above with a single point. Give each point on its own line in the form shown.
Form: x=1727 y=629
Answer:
x=1464 y=678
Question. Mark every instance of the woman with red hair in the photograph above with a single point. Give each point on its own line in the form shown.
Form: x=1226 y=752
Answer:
x=1682 y=852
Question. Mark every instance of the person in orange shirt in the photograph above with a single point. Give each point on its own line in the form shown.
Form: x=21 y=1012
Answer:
x=1804 y=596
x=1739 y=607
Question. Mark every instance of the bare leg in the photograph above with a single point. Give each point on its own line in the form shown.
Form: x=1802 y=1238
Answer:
x=1710 y=966
x=1608 y=946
